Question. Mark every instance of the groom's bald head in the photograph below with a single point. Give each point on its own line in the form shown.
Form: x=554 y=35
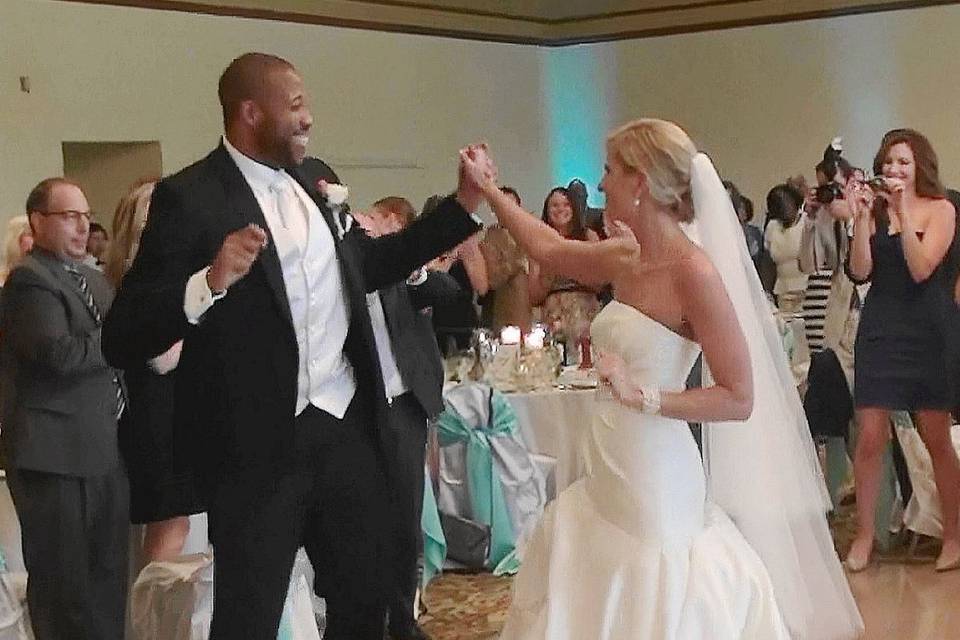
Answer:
x=247 y=78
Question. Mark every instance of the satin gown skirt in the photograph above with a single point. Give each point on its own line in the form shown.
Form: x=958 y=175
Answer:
x=635 y=551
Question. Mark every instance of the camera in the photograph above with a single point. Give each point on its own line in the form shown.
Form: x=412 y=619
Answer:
x=878 y=185
x=827 y=193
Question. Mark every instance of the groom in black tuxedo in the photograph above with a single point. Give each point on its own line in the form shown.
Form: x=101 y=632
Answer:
x=279 y=389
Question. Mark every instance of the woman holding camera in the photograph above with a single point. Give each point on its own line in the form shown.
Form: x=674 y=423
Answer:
x=832 y=303
x=901 y=240
x=823 y=249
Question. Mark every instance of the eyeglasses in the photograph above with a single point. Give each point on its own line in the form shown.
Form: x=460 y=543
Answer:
x=69 y=214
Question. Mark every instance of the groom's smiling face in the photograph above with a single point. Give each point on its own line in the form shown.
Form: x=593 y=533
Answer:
x=283 y=130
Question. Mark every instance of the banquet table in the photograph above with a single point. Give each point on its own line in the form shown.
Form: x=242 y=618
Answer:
x=554 y=422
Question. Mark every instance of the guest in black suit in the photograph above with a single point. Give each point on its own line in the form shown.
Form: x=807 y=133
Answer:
x=61 y=401
x=413 y=374
x=279 y=392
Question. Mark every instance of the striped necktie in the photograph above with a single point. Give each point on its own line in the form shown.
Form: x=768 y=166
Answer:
x=91 y=303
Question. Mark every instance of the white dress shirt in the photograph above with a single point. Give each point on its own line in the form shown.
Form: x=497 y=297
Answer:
x=311 y=274
x=392 y=380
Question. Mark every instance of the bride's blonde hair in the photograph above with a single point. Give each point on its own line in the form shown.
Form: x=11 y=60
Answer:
x=664 y=153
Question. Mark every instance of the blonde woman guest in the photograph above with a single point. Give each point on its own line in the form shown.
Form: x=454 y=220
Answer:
x=161 y=497
x=17 y=243
x=782 y=240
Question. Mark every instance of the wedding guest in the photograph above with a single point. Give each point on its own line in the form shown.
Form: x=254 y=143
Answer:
x=568 y=306
x=455 y=316
x=824 y=249
x=97 y=245
x=279 y=399
x=413 y=376
x=16 y=244
x=752 y=232
x=59 y=408
x=900 y=242
x=161 y=496
x=507 y=302
x=823 y=246
x=592 y=217
x=782 y=241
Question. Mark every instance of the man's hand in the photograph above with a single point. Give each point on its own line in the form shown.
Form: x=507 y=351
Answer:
x=235 y=257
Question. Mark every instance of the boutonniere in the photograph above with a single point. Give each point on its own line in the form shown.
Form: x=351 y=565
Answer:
x=335 y=195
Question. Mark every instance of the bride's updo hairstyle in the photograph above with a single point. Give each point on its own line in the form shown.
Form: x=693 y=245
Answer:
x=663 y=152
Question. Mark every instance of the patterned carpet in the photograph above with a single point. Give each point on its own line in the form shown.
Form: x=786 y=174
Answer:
x=473 y=606
x=466 y=607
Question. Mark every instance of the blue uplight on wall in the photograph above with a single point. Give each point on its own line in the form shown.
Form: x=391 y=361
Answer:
x=575 y=81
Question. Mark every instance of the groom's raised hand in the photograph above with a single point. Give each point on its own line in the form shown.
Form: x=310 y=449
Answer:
x=468 y=191
x=475 y=168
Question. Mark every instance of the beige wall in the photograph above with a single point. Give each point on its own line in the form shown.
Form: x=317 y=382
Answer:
x=402 y=104
x=106 y=171
x=391 y=110
x=765 y=101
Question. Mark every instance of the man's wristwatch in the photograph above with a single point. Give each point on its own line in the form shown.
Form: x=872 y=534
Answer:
x=215 y=295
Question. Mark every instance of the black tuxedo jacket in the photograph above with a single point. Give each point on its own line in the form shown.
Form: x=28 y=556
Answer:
x=411 y=337
x=237 y=378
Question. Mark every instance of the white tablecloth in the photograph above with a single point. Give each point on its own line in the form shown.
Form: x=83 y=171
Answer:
x=554 y=423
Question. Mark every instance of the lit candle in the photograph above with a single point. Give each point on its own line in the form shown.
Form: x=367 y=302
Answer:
x=510 y=335
x=533 y=340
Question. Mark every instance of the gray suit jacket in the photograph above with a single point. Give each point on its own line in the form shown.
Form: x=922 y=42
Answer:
x=58 y=395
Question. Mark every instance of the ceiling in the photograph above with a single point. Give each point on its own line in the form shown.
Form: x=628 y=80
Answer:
x=543 y=22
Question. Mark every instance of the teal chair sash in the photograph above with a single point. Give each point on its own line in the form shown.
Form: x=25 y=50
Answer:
x=434 y=542
x=486 y=491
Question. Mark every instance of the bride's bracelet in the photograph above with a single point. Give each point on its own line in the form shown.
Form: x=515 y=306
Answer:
x=650 y=401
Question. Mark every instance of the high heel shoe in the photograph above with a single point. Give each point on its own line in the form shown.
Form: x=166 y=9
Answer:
x=856 y=564
x=948 y=561
x=949 y=564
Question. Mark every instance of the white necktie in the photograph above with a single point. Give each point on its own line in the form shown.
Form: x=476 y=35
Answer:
x=290 y=210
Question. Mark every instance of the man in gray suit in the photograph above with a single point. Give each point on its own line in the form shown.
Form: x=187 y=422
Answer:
x=59 y=407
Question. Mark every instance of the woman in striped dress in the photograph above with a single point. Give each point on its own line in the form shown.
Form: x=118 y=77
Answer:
x=823 y=250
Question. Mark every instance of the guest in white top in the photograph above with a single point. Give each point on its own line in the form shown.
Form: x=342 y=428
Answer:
x=782 y=238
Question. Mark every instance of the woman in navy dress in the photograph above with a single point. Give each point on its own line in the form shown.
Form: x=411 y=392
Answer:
x=902 y=244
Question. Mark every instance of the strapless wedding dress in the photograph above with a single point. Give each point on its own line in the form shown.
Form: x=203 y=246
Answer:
x=635 y=550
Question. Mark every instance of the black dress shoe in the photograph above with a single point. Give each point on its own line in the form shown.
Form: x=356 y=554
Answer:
x=413 y=632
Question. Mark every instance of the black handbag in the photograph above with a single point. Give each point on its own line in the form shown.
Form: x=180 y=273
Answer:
x=468 y=542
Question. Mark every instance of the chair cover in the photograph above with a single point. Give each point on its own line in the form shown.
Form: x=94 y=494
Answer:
x=486 y=472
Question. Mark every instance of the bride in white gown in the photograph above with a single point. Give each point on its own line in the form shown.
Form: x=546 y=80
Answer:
x=646 y=546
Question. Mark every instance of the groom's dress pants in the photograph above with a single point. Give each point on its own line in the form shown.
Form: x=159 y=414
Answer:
x=332 y=502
